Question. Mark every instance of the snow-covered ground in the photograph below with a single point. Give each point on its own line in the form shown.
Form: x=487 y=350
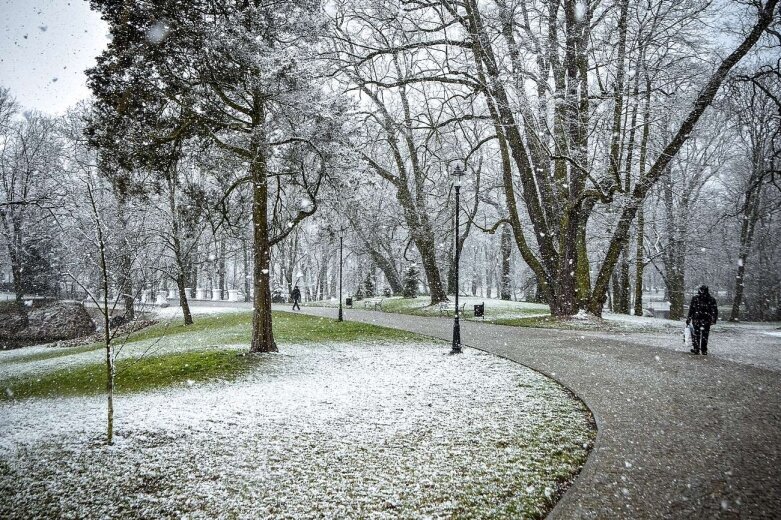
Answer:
x=494 y=308
x=757 y=344
x=25 y=361
x=203 y=309
x=319 y=430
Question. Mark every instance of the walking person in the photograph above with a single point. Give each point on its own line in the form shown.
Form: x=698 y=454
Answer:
x=702 y=314
x=296 y=298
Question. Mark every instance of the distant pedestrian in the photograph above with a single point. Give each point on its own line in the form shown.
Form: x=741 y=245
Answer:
x=296 y=298
x=702 y=314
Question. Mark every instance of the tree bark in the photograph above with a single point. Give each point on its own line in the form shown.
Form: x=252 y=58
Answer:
x=639 y=263
x=505 y=249
x=750 y=217
x=183 y=303
x=262 y=334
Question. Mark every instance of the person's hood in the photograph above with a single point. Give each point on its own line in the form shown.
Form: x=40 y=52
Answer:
x=703 y=290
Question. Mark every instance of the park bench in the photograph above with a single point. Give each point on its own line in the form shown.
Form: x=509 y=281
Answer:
x=373 y=303
x=449 y=307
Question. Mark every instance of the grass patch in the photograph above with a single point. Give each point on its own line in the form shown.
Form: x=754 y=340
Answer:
x=53 y=353
x=134 y=375
x=289 y=327
x=200 y=323
x=160 y=369
x=299 y=328
x=420 y=307
x=235 y=328
x=545 y=322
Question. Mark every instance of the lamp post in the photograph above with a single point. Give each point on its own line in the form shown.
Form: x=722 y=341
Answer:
x=456 y=348
x=341 y=261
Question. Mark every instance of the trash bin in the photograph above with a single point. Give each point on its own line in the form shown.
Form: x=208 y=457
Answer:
x=348 y=302
x=480 y=311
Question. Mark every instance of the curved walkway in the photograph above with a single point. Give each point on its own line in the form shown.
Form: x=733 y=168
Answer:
x=679 y=436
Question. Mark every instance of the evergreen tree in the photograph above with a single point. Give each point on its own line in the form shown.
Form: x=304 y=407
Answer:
x=240 y=76
x=368 y=286
x=411 y=278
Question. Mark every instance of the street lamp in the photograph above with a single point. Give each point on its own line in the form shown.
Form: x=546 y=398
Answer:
x=457 y=174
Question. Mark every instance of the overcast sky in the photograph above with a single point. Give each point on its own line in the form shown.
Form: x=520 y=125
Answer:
x=45 y=46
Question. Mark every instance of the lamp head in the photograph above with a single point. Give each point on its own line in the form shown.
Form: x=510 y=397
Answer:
x=457 y=174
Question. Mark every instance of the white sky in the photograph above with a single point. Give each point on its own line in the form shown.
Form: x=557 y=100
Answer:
x=45 y=47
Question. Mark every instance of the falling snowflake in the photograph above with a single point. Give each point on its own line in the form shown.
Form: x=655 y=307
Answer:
x=157 y=32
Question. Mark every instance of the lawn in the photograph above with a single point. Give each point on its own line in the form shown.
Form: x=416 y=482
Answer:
x=167 y=354
x=420 y=306
x=347 y=421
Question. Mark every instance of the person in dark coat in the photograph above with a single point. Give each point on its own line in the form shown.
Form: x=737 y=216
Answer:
x=702 y=314
x=296 y=298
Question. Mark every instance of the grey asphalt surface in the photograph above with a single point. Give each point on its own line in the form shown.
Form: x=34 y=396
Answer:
x=679 y=436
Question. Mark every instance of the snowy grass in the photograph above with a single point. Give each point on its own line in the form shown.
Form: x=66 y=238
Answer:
x=522 y=314
x=420 y=306
x=609 y=322
x=347 y=428
x=167 y=353
x=133 y=375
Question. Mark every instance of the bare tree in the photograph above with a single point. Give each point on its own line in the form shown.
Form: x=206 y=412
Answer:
x=757 y=122
x=29 y=167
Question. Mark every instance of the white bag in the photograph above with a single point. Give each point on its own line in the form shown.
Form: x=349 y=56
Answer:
x=687 y=336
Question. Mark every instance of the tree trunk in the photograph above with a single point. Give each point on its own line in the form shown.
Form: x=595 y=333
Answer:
x=623 y=284
x=675 y=250
x=262 y=334
x=431 y=270
x=322 y=277
x=125 y=268
x=387 y=268
x=183 y=303
x=639 y=263
x=505 y=249
x=640 y=254
x=126 y=285
x=221 y=267
x=490 y=265
x=750 y=218
x=675 y=293
x=246 y=261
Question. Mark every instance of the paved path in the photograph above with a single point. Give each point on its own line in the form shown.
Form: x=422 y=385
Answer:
x=679 y=436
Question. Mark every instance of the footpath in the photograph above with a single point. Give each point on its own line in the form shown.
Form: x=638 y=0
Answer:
x=678 y=436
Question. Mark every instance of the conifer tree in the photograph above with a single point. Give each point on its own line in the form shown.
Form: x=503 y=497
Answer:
x=411 y=279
